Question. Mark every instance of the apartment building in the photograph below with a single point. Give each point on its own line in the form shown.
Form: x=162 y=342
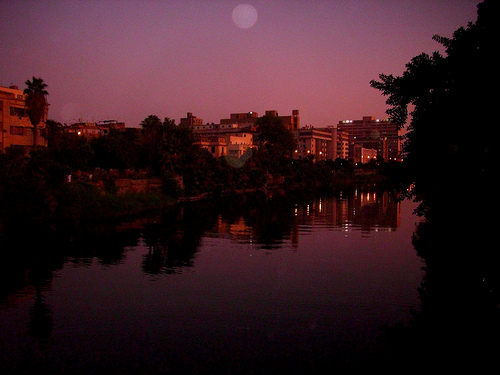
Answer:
x=216 y=145
x=191 y=120
x=292 y=122
x=248 y=119
x=233 y=145
x=370 y=133
x=322 y=143
x=242 y=120
x=90 y=130
x=357 y=140
x=363 y=155
x=342 y=145
x=15 y=126
x=237 y=144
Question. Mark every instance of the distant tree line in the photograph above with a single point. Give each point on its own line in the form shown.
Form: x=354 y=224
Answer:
x=169 y=151
x=33 y=187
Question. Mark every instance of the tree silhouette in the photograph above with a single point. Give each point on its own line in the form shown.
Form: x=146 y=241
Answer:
x=276 y=143
x=36 y=103
x=153 y=136
x=451 y=145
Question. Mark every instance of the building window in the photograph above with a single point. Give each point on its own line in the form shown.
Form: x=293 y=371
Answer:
x=16 y=130
x=16 y=111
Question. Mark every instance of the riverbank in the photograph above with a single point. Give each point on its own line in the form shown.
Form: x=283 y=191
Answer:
x=80 y=206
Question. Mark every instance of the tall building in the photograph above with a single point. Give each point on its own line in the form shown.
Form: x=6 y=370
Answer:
x=15 y=126
x=291 y=122
x=248 y=119
x=241 y=119
x=322 y=143
x=239 y=122
x=342 y=145
x=191 y=120
x=370 y=133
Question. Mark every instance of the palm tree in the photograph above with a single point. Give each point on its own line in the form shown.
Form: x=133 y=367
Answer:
x=36 y=103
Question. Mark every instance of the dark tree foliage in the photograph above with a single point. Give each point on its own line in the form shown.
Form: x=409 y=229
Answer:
x=276 y=144
x=179 y=144
x=26 y=188
x=36 y=103
x=451 y=156
x=452 y=142
x=117 y=150
x=69 y=152
x=153 y=132
x=53 y=132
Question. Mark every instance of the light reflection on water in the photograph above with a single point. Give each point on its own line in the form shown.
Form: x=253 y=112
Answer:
x=256 y=285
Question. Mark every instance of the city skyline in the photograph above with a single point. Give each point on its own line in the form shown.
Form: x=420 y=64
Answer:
x=127 y=60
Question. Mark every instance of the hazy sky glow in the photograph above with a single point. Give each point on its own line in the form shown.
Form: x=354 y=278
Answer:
x=126 y=60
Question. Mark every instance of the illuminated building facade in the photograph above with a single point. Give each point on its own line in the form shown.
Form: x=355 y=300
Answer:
x=322 y=143
x=381 y=135
x=363 y=155
x=233 y=145
x=319 y=143
x=15 y=126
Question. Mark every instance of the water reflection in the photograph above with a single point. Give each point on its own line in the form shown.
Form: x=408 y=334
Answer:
x=40 y=324
x=211 y=284
x=355 y=210
x=263 y=222
x=173 y=239
x=282 y=220
x=458 y=324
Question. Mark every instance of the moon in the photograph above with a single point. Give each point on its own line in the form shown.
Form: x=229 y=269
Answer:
x=244 y=16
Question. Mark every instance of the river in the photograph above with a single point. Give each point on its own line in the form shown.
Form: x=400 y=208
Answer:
x=248 y=285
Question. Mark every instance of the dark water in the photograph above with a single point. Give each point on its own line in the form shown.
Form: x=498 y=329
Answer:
x=251 y=285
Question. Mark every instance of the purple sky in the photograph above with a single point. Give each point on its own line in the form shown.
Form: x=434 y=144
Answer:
x=126 y=60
